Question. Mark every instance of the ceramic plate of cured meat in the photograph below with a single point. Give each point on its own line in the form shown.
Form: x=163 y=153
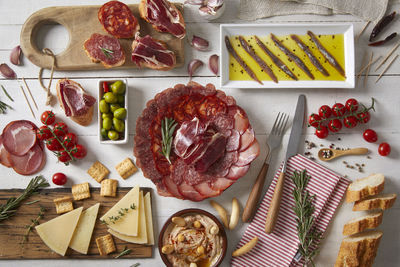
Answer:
x=287 y=56
x=211 y=145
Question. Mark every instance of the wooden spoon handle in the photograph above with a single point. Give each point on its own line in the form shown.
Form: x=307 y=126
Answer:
x=273 y=210
x=357 y=151
x=251 y=204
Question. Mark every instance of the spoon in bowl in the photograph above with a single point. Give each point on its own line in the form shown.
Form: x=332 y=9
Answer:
x=327 y=154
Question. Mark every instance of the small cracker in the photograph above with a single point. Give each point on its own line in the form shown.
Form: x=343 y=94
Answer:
x=109 y=188
x=80 y=191
x=98 y=171
x=63 y=204
x=126 y=168
x=105 y=244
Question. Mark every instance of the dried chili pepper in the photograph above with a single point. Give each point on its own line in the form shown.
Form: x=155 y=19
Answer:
x=384 y=41
x=381 y=25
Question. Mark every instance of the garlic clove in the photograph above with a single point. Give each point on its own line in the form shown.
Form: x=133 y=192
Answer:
x=199 y=43
x=7 y=72
x=15 y=55
x=213 y=64
x=212 y=12
x=193 y=65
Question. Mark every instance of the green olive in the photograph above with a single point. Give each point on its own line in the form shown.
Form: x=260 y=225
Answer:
x=106 y=115
x=113 y=135
x=118 y=87
x=107 y=123
x=119 y=125
x=104 y=133
x=121 y=99
x=120 y=113
x=110 y=98
x=114 y=107
x=103 y=106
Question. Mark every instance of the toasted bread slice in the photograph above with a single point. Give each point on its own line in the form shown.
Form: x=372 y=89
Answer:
x=365 y=187
x=382 y=202
x=360 y=224
x=359 y=249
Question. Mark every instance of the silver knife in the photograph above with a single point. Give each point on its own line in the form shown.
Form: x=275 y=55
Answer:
x=293 y=146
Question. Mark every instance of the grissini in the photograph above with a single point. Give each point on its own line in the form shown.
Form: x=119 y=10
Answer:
x=365 y=187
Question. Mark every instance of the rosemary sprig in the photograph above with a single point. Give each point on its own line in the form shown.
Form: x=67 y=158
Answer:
x=304 y=209
x=107 y=52
x=35 y=222
x=3 y=107
x=126 y=251
x=168 y=126
x=121 y=213
x=9 y=209
x=135 y=265
x=32 y=202
x=6 y=93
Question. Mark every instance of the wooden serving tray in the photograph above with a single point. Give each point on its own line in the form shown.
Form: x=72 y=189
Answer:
x=13 y=229
x=81 y=22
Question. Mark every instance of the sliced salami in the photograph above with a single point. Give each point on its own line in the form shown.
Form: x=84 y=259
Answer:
x=246 y=139
x=247 y=156
x=19 y=137
x=105 y=49
x=205 y=190
x=189 y=192
x=235 y=172
x=4 y=154
x=221 y=184
x=30 y=163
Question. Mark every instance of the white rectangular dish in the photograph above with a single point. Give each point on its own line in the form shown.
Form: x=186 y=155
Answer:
x=285 y=29
x=99 y=117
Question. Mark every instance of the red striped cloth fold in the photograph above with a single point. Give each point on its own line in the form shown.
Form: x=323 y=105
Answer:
x=279 y=248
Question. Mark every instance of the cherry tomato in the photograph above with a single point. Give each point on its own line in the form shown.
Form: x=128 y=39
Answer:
x=325 y=111
x=48 y=117
x=335 y=125
x=60 y=129
x=370 y=136
x=384 y=149
x=52 y=144
x=351 y=104
x=79 y=151
x=64 y=157
x=350 y=122
x=70 y=140
x=106 y=88
x=59 y=178
x=43 y=133
x=322 y=132
x=364 y=117
x=338 y=110
x=313 y=120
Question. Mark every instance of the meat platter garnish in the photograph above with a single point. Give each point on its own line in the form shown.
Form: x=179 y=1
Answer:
x=212 y=145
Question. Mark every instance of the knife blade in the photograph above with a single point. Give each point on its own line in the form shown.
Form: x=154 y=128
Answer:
x=293 y=146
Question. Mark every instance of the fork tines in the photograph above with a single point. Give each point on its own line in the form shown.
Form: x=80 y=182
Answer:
x=280 y=124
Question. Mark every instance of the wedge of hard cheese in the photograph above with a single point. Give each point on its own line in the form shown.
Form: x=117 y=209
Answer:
x=365 y=187
x=129 y=223
x=83 y=233
x=149 y=219
x=360 y=224
x=359 y=249
x=383 y=202
x=57 y=233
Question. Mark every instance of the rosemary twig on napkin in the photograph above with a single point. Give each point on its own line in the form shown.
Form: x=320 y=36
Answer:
x=304 y=209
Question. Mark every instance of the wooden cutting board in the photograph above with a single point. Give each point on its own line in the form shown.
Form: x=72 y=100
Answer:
x=81 y=22
x=13 y=229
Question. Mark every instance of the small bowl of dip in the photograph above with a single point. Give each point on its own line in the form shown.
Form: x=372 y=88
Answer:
x=192 y=237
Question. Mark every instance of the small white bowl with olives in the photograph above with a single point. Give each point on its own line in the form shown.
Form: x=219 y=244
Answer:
x=113 y=111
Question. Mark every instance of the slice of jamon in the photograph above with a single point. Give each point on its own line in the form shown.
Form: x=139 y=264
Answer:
x=220 y=184
x=172 y=187
x=19 y=137
x=105 y=49
x=246 y=139
x=152 y=53
x=205 y=190
x=185 y=135
x=235 y=172
x=163 y=16
x=189 y=192
x=4 y=154
x=247 y=156
x=240 y=117
x=30 y=163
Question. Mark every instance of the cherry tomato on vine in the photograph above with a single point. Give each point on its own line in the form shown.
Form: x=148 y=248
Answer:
x=64 y=157
x=60 y=129
x=322 y=132
x=384 y=149
x=364 y=117
x=351 y=104
x=313 y=120
x=48 y=117
x=43 y=133
x=79 y=151
x=335 y=125
x=370 y=136
x=59 y=178
x=325 y=111
x=70 y=140
x=338 y=109
x=52 y=144
x=350 y=122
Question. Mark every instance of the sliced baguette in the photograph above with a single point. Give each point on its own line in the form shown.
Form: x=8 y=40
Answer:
x=382 y=202
x=361 y=224
x=359 y=249
x=365 y=187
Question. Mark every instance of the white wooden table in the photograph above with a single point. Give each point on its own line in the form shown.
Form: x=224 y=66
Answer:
x=261 y=106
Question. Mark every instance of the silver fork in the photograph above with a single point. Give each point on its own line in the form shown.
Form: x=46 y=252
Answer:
x=274 y=140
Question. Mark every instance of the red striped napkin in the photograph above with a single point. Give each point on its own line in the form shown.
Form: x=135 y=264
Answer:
x=280 y=248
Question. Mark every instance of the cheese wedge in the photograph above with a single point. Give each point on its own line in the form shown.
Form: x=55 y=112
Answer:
x=141 y=238
x=129 y=223
x=149 y=219
x=57 y=233
x=83 y=233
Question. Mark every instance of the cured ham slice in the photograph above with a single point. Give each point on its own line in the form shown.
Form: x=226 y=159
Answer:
x=233 y=141
x=185 y=135
x=4 y=154
x=205 y=189
x=172 y=187
x=163 y=16
x=246 y=139
x=247 y=156
x=105 y=49
x=189 y=192
x=220 y=184
x=30 y=163
x=151 y=53
x=235 y=172
x=19 y=137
